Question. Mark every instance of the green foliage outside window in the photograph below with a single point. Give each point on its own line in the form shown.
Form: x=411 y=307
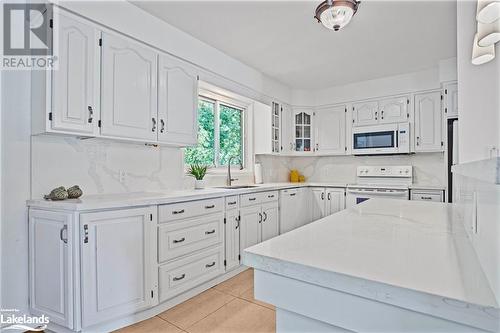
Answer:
x=229 y=140
x=230 y=135
x=204 y=153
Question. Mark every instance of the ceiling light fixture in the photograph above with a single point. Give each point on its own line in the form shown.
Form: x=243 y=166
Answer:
x=336 y=14
x=488 y=11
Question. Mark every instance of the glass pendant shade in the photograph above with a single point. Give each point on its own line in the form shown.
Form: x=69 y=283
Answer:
x=482 y=55
x=336 y=14
x=335 y=18
x=488 y=33
x=488 y=11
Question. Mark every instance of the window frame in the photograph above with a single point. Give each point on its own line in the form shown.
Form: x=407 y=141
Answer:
x=245 y=108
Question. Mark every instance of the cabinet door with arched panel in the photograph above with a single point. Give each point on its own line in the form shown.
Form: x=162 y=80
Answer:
x=303 y=130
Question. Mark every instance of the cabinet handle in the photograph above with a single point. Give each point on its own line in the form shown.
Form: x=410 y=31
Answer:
x=210 y=207
x=376 y=115
x=329 y=196
x=260 y=214
x=210 y=232
x=237 y=223
x=252 y=199
x=85 y=233
x=162 y=122
x=232 y=203
x=317 y=146
x=154 y=124
x=418 y=141
x=61 y=234
x=382 y=114
x=91 y=114
x=175 y=212
x=179 y=240
x=265 y=216
x=177 y=278
x=323 y=196
x=210 y=265
x=293 y=194
x=270 y=196
x=426 y=198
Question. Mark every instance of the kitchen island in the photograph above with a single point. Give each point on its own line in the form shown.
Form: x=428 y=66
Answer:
x=381 y=266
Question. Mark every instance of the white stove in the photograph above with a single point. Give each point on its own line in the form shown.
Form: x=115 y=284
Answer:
x=391 y=182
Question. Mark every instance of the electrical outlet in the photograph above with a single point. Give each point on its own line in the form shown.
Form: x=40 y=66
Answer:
x=122 y=176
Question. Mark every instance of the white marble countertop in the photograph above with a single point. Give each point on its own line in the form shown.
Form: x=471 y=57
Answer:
x=427 y=187
x=412 y=254
x=120 y=200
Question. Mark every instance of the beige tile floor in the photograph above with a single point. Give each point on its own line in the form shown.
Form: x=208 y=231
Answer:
x=228 y=307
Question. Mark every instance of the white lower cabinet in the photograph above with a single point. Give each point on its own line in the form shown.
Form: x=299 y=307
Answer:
x=232 y=237
x=326 y=201
x=427 y=195
x=294 y=209
x=188 y=272
x=117 y=276
x=50 y=265
x=259 y=222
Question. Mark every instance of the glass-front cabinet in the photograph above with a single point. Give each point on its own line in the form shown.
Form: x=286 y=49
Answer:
x=276 y=110
x=303 y=128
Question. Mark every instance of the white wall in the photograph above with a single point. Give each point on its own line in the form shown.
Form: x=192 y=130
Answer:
x=15 y=189
x=479 y=92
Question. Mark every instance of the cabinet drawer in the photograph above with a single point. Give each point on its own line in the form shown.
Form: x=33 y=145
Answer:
x=232 y=202
x=184 y=274
x=188 y=209
x=436 y=196
x=187 y=236
x=250 y=199
x=269 y=196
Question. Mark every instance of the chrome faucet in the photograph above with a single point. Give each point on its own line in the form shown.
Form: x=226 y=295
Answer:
x=229 y=179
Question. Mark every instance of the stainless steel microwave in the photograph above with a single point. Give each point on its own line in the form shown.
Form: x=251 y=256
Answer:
x=381 y=139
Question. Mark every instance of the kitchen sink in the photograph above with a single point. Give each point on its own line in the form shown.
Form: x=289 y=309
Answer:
x=237 y=187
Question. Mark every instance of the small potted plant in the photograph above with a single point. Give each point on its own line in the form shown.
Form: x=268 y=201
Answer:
x=198 y=172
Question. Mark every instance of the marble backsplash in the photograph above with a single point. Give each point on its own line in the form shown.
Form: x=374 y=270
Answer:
x=428 y=168
x=96 y=164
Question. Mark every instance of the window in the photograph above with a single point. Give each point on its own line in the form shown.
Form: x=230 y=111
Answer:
x=220 y=134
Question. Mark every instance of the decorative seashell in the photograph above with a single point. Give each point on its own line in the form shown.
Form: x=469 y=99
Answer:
x=58 y=193
x=74 y=192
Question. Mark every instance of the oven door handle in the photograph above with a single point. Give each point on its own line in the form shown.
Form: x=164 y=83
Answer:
x=376 y=192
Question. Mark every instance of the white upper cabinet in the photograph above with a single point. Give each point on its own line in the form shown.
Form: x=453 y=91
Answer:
x=365 y=113
x=75 y=84
x=394 y=110
x=177 y=102
x=451 y=100
x=303 y=130
x=264 y=131
x=117 y=263
x=128 y=98
x=331 y=130
x=428 y=122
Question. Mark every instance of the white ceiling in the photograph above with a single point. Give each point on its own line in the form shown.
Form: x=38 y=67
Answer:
x=281 y=38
